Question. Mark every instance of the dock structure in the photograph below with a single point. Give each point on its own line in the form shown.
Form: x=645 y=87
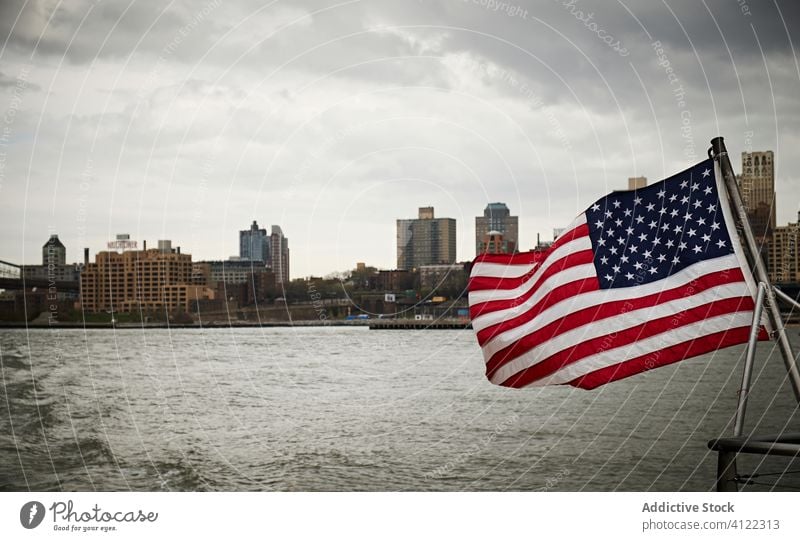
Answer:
x=409 y=324
x=419 y=324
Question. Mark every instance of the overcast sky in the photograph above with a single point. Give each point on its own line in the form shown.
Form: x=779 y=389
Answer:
x=188 y=120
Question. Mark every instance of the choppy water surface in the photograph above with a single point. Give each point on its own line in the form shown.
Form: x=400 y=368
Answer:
x=353 y=409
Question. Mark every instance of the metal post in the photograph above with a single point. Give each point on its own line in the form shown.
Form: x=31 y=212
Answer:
x=726 y=472
x=741 y=407
x=773 y=312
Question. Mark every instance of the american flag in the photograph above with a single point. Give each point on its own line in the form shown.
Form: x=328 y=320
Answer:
x=641 y=279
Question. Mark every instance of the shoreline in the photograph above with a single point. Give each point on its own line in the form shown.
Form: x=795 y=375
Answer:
x=377 y=324
x=164 y=325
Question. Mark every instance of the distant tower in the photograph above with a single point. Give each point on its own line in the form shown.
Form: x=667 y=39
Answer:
x=279 y=254
x=254 y=244
x=497 y=218
x=757 y=185
x=425 y=240
x=53 y=252
x=784 y=253
x=634 y=183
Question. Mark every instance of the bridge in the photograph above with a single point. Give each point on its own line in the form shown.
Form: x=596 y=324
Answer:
x=12 y=279
x=10 y=270
x=14 y=284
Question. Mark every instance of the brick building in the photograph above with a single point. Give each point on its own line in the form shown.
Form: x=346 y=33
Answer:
x=155 y=279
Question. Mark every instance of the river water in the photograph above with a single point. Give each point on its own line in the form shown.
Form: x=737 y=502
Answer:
x=331 y=408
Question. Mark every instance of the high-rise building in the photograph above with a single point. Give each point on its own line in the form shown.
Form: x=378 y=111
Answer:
x=155 y=279
x=279 y=255
x=497 y=218
x=635 y=183
x=757 y=186
x=784 y=253
x=254 y=244
x=494 y=243
x=53 y=252
x=272 y=249
x=425 y=240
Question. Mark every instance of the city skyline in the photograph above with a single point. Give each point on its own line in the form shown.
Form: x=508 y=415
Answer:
x=369 y=110
x=478 y=221
x=783 y=210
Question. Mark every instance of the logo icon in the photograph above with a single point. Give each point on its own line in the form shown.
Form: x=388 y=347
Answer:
x=31 y=514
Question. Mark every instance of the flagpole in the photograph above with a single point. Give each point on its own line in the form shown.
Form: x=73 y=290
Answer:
x=747 y=373
x=720 y=153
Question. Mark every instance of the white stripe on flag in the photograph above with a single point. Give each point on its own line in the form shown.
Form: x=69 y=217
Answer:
x=501 y=270
x=577 y=245
x=578 y=272
x=694 y=331
x=604 y=327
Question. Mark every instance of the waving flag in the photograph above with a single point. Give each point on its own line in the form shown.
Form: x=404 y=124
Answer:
x=641 y=279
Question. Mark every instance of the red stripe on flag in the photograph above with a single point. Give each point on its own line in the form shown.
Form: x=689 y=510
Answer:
x=551 y=298
x=571 y=260
x=478 y=283
x=669 y=355
x=520 y=258
x=600 y=311
x=625 y=337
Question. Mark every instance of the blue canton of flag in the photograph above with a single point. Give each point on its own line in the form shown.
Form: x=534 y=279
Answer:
x=645 y=235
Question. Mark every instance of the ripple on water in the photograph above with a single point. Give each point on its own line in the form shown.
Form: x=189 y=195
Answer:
x=349 y=409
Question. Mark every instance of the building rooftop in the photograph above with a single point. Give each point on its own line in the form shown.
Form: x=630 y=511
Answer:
x=53 y=241
x=497 y=210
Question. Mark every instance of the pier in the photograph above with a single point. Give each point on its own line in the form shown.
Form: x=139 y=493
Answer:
x=419 y=324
